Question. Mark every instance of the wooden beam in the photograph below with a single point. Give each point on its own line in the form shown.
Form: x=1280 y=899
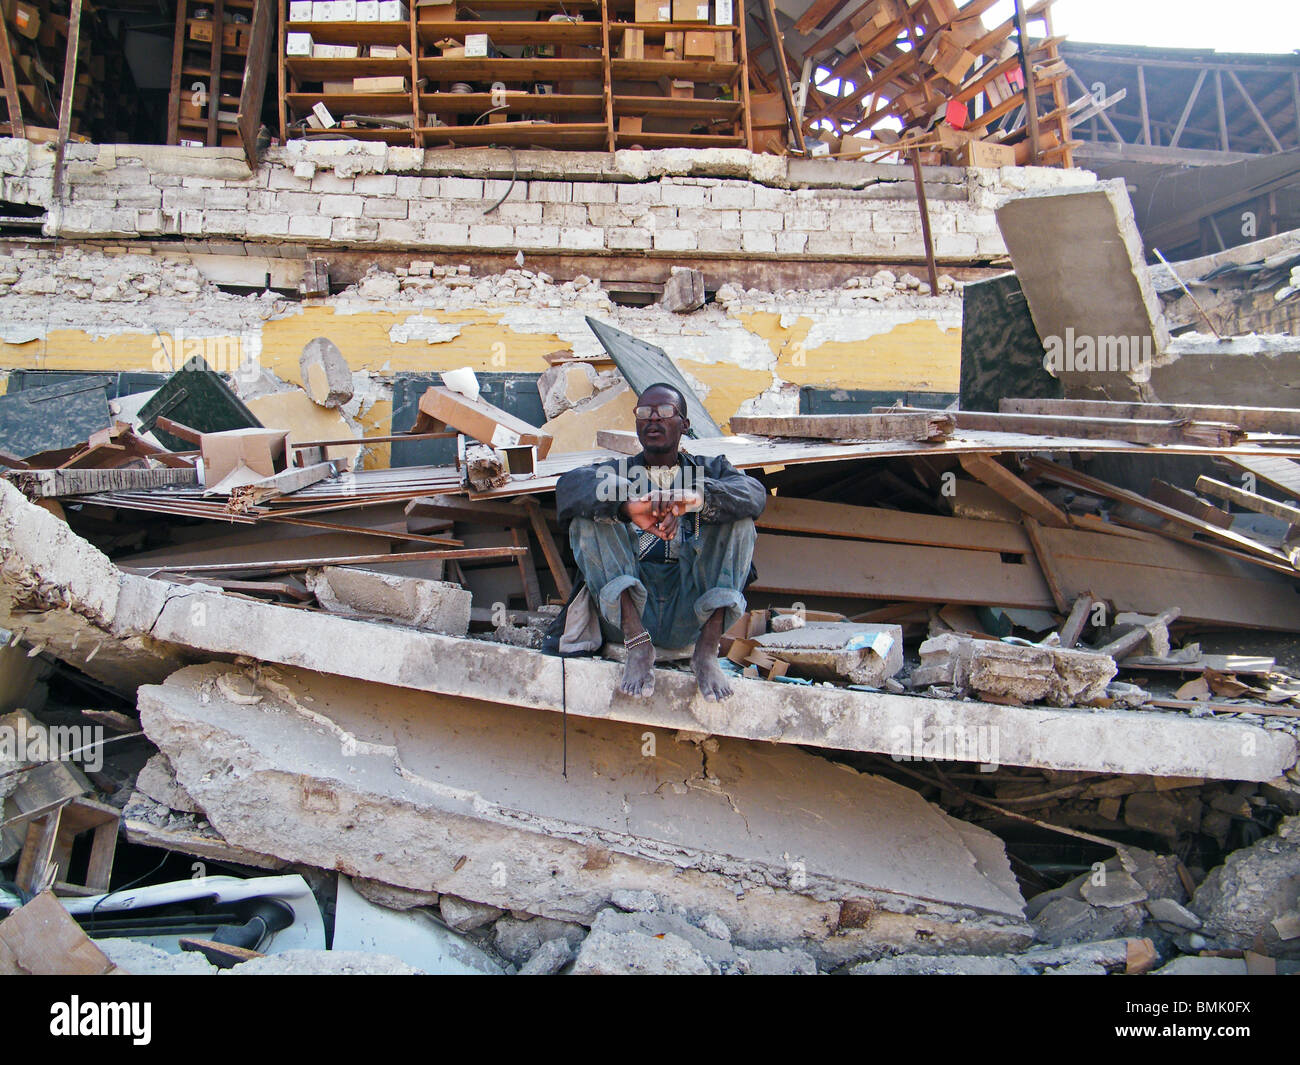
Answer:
x=17 y=128
x=1223 y=117
x=1105 y=118
x=1031 y=90
x=1047 y=563
x=924 y=208
x=818 y=12
x=783 y=75
x=1277 y=145
x=909 y=425
x=1143 y=110
x=65 y=101
x=1011 y=488
x=1282 y=420
x=1179 y=431
x=1187 y=110
x=1282 y=473
x=1247 y=500
x=285 y=565
x=1169 y=495
x=1074 y=624
x=554 y=560
x=262 y=33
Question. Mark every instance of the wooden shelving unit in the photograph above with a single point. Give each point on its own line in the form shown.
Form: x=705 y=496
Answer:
x=209 y=58
x=554 y=81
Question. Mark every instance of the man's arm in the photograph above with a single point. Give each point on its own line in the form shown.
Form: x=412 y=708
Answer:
x=591 y=492
x=730 y=495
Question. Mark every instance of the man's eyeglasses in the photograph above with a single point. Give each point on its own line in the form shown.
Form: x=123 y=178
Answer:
x=664 y=411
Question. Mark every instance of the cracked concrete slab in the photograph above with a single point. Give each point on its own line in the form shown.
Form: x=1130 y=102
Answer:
x=146 y=627
x=468 y=798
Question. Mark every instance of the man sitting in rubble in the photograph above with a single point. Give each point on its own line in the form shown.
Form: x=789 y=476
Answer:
x=665 y=542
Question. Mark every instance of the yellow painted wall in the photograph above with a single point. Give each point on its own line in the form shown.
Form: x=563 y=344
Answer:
x=915 y=356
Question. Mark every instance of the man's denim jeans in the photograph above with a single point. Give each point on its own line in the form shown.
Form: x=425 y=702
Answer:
x=674 y=599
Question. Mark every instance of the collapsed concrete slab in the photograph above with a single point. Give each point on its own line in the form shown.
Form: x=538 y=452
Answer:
x=145 y=627
x=862 y=654
x=1013 y=671
x=467 y=798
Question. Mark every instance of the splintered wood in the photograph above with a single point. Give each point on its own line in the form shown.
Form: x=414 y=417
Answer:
x=890 y=426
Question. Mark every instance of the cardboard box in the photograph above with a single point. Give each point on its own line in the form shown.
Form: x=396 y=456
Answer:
x=322 y=115
x=441 y=407
x=190 y=110
x=674 y=44
x=767 y=109
x=850 y=145
x=496 y=118
x=629 y=124
x=342 y=87
x=1047 y=140
x=345 y=10
x=201 y=31
x=235 y=35
x=724 y=48
x=654 y=51
x=477 y=45
x=985 y=154
x=27 y=20
x=452 y=51
x=722 y=13
x=389 y=51
x=298 y=44
x=390 y=83
x=633 y=46
x=393 y=11
x=868 y=22
x=322 y=11
x=242 y=456
x=690 y=10
x=654 y=11
x=435 y=11
x=682 y=90
x=300 y=11
x=367 y=10
x=699 y=44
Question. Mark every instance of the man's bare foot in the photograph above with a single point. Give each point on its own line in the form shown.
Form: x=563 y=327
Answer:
x=709 y=677
x=639 y=673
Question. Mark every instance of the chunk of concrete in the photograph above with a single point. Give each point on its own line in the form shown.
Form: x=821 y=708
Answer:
x=157 y=779
x=436 y=606
x=143 y=959
x=1079 y=258
x=1239 y=900
x=931 y=965
x=458 y=796
x=326 y=376
x=518 y=940
x=1192 y=965
x=394 y=898
x=1169 y=912
x=830 y=650
x=1164 y=814
x=462 y=915
x=683 y=291
x=1114 y=889
x=549 y=958
x=1013 y=671
x=325 y=963
x=575 y=429
x=565 y=385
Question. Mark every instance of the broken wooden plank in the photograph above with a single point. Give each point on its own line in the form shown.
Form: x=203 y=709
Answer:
x=1014 y=490
x=1078 y=618
x=1132 y=639
x=622 y=441
x=1199 y=705
x=1284 y=420
x=43 y=939
x=41 y=484
x=246 y=496
x=811 y=516
x=1249 y=664
x=908 y=425
x=1248 y=500
x=1221 y=537
x=451 y=554
x=551 y=551
x=1047 y=564
x=1169 y=495
x=1282 y=473
x=1177 y=431
x=458 y=508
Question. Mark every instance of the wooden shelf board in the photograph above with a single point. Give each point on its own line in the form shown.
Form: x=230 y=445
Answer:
x=389 y=136
x=686 y=69
x=665 y=106
x=671 y=27
x=514 y=31
x=518 y=133
x=329 y=69
x=365 y=103
x=680 y=140
x=520 y=103
x=509 y=69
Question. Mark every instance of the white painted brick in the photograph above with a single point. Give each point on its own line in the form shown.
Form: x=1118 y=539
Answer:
x=226 y=199
x=494 y=189
x=550 y=191
x=638 y=194
x=700 y=218
x=455 y=188
x=804 y=218
x=865 y=242
x=342 y=206
x=303 y=202
x=595 y=192
x=182 y=198
x=991 y=244
x=408 y=188
x=490 y=236
x=267 y=225
x=128 y=175
x=941 y=222
x=628 y=238
x=149 y=221
x=516 y=212
x=375 y=185
x=328 y=181
x=399 y=231
x=610 y=216
x=771 y=199
x=192 y=223
x=585 y=238
x=565 y=214
x=675 y=240
x=537 y=236
x=663 y=217
x=141 y=196
x=957 y=245
x=752 y=240
x=384 y=207
x=681 y=195
x=404 y=159
x=896 y=221
x=788 y=243
x=719 y=240
x=448 y=233
x=355 y=229
x=761 y=221
x=266 y=201
x=732 y=196
x=229 y=223
x=310 y=225
x=977 y=223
